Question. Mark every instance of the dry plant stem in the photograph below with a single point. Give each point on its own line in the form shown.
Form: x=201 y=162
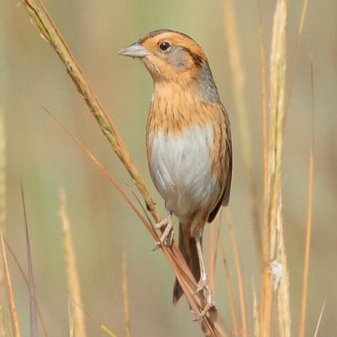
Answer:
x=238 y=77
x=4 y=331
x=33 y=311
x=256 y=320
x=10 y=292
x=106 y=174
x=77 y=325
x=41 y=321
x=212 y=325
x=241 y=288
x=105 y=329
x=272 y=235
x=102 y=326
x=297 y=50
x=302 y=321
x=263 y=81
x=283 y=300
x=214 y=235
x=319 y=319
x=2 y=173
x=283 y=306
x=127 y=321
x=230 y=289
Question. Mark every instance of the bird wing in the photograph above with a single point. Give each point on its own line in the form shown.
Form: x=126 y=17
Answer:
x=229 y=164
x=228 y=167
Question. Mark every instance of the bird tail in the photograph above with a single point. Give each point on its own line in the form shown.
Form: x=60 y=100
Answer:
x=188 y=248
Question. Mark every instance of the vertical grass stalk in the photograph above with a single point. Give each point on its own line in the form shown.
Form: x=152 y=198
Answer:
x=239 y=79
x=127 y=321
x=274 y=260
x=238 y=268
x=77 y=320
x=3 y=325
x=310 y=195
x=16 y=329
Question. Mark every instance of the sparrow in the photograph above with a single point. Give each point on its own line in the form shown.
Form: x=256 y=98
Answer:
x=188 y=140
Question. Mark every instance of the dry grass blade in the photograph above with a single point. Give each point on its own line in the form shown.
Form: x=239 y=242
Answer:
x=273 y=248
x=77 y=325
x=283 y=304
x=256 y=318
x=31 y=283
x=106 y=330
x=127 y=321
x=3 y=163
x=42 y=323
x=310 y=195
x=4 y=327
x=238 y=77
x=214 y=235
x=319 y=319
x=230 y=290
x=106 y=174
x=237 y=263
x=16 y=330
x=4 y=331
x=277 y=114
x=263 y=81
x=297 y=50
x=102 y=326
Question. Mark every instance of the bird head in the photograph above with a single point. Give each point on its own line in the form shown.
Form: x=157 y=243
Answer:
x=174 y=57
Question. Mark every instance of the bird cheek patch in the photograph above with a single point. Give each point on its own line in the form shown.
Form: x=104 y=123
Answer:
x=178 y=58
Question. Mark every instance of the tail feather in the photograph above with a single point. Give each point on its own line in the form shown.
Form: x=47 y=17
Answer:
x=188 y=248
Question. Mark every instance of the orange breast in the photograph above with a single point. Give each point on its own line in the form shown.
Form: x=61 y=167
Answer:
x=186 y=150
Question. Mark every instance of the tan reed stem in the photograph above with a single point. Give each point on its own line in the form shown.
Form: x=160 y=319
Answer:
x=77 y=325
x=274 y=275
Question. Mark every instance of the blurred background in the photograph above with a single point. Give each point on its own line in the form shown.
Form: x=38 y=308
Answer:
x=41 y=155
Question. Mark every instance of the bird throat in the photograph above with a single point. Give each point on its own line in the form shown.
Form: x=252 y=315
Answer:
x=173 y=108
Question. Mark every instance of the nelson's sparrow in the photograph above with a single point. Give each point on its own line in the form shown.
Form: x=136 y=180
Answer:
x=188 y=140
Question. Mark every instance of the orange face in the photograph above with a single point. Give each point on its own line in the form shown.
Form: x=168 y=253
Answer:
x=168 y=55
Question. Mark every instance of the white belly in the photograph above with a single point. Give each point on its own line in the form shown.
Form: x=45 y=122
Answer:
x=181 y=169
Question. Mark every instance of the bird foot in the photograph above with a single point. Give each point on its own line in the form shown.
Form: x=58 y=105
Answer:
x=203 y=286
x=203 y=313
x=166 y=237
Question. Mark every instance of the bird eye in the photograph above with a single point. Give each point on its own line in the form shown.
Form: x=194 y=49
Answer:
x=164 y=46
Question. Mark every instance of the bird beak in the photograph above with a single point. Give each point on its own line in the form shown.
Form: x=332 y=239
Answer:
x=134 y=50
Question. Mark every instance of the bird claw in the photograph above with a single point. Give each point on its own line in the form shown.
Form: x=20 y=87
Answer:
x=166 y=237
x=204 y=312
x=203 y=286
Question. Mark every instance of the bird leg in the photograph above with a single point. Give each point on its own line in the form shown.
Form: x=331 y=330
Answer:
x=203 y=282
x=166 y=236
